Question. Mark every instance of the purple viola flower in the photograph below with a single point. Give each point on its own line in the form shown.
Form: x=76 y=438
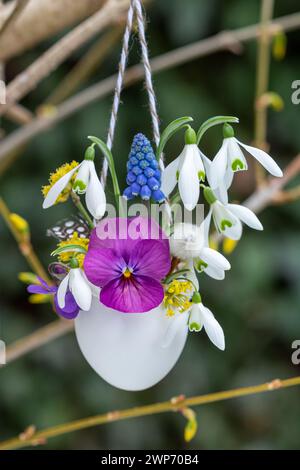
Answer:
x=127 y=259
x=70 y=309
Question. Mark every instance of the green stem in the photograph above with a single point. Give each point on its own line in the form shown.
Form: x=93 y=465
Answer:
x=79 y=206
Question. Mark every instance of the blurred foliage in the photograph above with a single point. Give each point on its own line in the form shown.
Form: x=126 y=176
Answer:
x=257 y=304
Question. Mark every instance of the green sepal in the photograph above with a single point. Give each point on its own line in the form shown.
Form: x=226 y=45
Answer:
x=196 y=299
x=71 y=247
x=90 y=153
x=169 y=131
x=74 y=263
x=228 y=131
x=216 y=120
x=209 y=195
x=190 y=136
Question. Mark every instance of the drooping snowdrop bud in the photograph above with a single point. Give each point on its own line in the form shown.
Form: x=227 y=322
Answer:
x=228 y=218
x=86 y=182
x=78 y=285
x=187 y=169
x=200 y=317
x=230 y=158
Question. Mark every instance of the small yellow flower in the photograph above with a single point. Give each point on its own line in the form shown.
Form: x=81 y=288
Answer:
x=229 y=245
x=177 y=297
x=59 y=173
x=19 y=223
x=66 y=256
x=39 y=298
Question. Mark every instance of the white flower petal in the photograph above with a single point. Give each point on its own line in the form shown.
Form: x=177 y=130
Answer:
x=198 y=163
x=82 y=178
x=235 y=155
x=215 y=273
x=57 y=188
x=218 y=166
x=62 y=291
x=195 y=320
x=225 y=221
x=214 y=258
x=246 y=216
x=206 y=226
x=235 y=231
x=191 y=275
x=169 y=177
x=80 y=289
x=188 y=183
x=212 y=327
x=95 y=196
x=264 y=159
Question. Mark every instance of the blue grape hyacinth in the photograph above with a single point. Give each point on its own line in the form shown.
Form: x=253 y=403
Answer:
x=143 y=173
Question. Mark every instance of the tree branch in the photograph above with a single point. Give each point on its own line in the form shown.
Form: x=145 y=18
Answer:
x=175 y=404
x=16 y=11
x=221 y=41
x=40 y=20
x=56 y=54
x=38 y=338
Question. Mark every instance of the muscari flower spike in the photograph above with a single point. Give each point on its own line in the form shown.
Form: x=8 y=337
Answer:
x=143 y=173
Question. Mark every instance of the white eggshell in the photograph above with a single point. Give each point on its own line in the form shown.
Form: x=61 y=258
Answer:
x=132 y=351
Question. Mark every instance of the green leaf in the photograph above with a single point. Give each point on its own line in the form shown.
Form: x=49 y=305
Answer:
x=214 y=121
x=169 y=131
x=71 y=247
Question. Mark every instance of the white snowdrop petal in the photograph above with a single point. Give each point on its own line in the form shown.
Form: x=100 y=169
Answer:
x=195 y=323
x=188 y=183
x=80 y=289
x=235 y=231
x=215 y=273
x=215 y=258
x=198 y=163
x=235 y=155
x=212 y=327
x=264 y=159
x=82 y=178
x=169 y=177
x=57 y=188
x=95 y=195
x=62 y=291
x=218 y=166
x=246 y=216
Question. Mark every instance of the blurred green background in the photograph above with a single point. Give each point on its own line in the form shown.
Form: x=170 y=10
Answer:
x=257 y=304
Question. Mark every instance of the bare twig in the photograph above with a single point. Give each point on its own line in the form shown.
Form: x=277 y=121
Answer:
x=38 y=338
x=290 y=195
x=176 y=57
x=175 y=404
x=56 y=54
x=262 y=83
x=17 y=10
x=85 y=67
x=41 y=19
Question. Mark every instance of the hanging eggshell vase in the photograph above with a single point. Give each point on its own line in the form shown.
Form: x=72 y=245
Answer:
x=130 y=351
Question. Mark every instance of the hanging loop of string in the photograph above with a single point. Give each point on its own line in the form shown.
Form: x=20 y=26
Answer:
x=134 y=8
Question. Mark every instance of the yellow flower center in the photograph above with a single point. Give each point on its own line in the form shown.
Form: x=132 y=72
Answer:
x=56 y=175
x=177 y=297
x=66 y=256
x=127 y=273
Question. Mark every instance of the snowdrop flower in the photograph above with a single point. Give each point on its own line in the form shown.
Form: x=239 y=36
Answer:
x=86 y=182
x=200 y=317
x=231 y=156
x=228 y=218
x=187 y=169
x=75 y=282
x=190 y=242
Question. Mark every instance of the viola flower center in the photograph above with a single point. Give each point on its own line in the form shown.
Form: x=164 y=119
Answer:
x=127 y=272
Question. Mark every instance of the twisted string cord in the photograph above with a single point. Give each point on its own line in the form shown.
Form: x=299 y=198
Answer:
x=147 y=69
x=118 y=89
